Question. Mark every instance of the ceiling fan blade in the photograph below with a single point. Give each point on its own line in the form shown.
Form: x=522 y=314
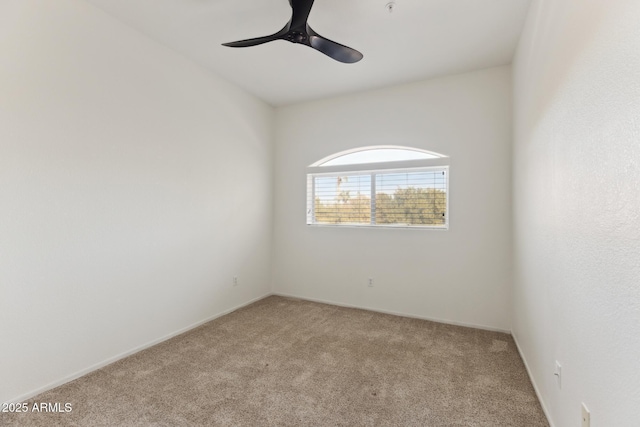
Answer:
x=332 y=49
x=301 y=10
x=298 y=30
x=259 y=40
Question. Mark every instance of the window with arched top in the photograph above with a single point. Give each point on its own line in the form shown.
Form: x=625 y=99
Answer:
x=381 y=186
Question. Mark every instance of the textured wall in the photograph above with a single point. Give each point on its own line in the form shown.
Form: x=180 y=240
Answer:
x=461 y=275
x=577 y=207
x=133 y=187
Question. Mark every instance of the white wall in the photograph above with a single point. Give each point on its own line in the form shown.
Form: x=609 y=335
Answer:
x=577 y=207
x=461 y=275
x=133 y=187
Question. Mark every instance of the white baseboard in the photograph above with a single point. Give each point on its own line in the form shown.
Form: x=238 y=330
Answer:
x=533 y=381
x=396 y=313
x=113 y=359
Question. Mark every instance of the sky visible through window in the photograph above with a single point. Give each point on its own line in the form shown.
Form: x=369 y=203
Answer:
x=330 y=187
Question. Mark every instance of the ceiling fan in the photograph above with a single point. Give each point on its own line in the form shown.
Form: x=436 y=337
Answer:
x=298 y=30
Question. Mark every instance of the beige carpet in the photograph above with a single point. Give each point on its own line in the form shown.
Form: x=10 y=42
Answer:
x=285 y=362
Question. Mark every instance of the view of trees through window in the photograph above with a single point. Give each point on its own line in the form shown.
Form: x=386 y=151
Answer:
x=401 y=198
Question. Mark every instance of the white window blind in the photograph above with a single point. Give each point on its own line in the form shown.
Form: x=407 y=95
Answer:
x=415 y=197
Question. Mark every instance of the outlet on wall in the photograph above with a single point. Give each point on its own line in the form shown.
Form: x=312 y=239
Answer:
x=558 y=374
x=586 y=416
x=235 y=280
x=370 y=282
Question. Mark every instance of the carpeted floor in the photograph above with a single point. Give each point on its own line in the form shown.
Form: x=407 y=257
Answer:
x=286 y=362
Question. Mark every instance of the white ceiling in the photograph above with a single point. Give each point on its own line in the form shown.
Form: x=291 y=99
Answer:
x=419 y=40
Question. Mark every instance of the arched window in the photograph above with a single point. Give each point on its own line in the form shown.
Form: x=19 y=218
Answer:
x=386 y=186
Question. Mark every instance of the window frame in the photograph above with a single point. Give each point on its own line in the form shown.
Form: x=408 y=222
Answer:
x=401 y=166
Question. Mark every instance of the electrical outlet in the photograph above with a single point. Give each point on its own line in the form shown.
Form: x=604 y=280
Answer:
x=586 y=416
x=235 y=281
x=370 y=282
x=558 y=374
